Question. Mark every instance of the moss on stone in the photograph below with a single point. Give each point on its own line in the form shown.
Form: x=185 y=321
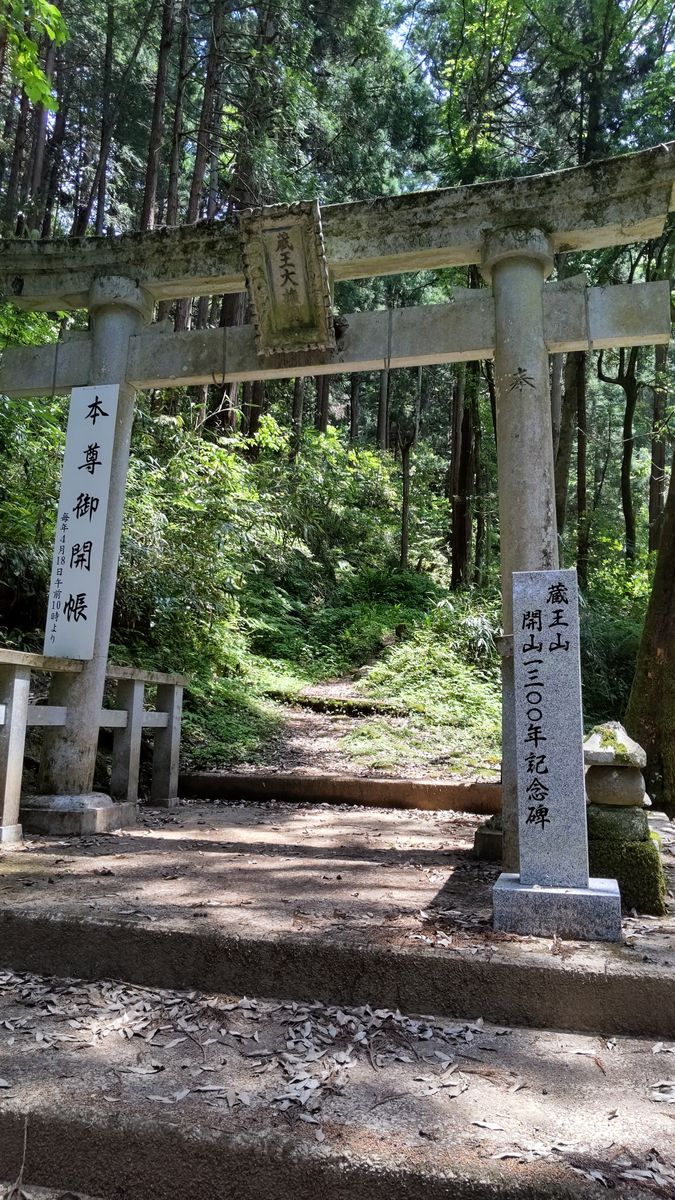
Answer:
x=616 y=824
x=637 y=867
x=609 y=740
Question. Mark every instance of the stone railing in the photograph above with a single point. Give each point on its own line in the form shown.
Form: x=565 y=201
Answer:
x=128 y=720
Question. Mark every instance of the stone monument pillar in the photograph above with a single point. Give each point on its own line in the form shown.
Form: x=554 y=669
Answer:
x=119 y=309
x=516 y=263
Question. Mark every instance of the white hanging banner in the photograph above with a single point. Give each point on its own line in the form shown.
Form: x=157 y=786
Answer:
x=80 y=528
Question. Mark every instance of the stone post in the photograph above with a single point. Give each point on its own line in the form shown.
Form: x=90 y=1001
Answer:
x=14 y=696
x=516 y=262
x=119 y=308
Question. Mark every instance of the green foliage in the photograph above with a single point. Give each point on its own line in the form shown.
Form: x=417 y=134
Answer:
x=24 y=23
x=454 y=703
x=225 y=722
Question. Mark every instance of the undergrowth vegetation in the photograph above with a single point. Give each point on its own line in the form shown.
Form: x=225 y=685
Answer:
x=256 y=573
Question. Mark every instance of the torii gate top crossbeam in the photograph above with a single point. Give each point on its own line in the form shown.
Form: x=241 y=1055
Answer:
x=614 y=202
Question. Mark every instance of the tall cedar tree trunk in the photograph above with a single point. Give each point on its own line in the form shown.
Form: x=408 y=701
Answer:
x=657 y=475
x=39 y=143
x=322 y=409
x=157 y=124
x=17 y=163
x=106 y=122
x=50 y=186
x=405 y=446
x=479 y=492
x=626 y=378
x=296 y=415
x=182 y=75
x=7 y=130
x=354 y=393
x=175 y=154
x=557 y=364
x=565 y=440
x=462 y=471
x=206 y=133
x=650 y=716
x=255 y=410
x=111 y=111
x=583 y=517
x=383 y=411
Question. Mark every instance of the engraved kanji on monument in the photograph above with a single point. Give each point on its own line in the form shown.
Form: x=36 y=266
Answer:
x=553 y=893
x=549 y=729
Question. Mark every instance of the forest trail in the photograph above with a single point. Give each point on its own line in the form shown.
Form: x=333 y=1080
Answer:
x=332 y=728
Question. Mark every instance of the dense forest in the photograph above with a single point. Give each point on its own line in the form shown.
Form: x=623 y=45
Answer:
x=285 y=532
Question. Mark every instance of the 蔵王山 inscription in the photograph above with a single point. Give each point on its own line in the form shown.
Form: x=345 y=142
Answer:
x=80 y=526
x=549 y=730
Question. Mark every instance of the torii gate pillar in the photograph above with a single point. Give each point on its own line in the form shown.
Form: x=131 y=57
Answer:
x=119 y=308
x=516 y=263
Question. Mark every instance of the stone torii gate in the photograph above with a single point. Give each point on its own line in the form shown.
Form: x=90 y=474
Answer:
x=289 y=257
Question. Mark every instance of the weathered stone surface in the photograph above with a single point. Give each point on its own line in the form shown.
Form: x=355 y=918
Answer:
x=287 y=278
x=10 y=834
x=549 y=732
x=614 y=824
x=591 y=913
x=615 y=202
x=615 y=785
x=609 y=745
x=91 y=812
x=638 y=869
x=487 y=842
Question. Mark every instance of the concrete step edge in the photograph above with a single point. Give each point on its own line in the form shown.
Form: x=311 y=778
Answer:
x=638 y=1001
x=120 y=1158
x=475 y=796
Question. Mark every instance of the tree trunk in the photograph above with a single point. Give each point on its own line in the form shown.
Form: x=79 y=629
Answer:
x=462 y=460
x=204 y=132
x=564 y=457
x=246 y=407
x=7 y=130
x=383 y=411
x=492 y=393
x=205 y=135
x=296 y=417
x=17 y=164
x=405 y=510
x=354 y=393
x=177 y=127
x=650 y=716
x=583 y=522
x=657 y=475
x=479 y=493
x=322 y=410
x=111 y=109
x=557 y=362
x=255 y=412
x=630 y=387
x=157 y=123
x=39 y=142
x=56 y=151
x=106 y=125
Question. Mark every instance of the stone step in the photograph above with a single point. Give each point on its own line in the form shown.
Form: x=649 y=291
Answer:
x=128 y=1094
x=475 y=796
x=342 y=905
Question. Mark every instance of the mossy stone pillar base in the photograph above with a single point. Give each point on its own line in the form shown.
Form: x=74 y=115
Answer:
x=637 y=868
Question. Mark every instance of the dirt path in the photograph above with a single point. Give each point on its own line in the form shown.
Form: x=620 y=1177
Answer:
x=383 y=742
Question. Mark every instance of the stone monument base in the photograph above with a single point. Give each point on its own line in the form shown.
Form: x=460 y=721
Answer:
x=92 y=812
x=592 y=914
x=10 y=834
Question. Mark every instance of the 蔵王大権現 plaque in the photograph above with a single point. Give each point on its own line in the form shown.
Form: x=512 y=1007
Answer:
x=287 y=278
